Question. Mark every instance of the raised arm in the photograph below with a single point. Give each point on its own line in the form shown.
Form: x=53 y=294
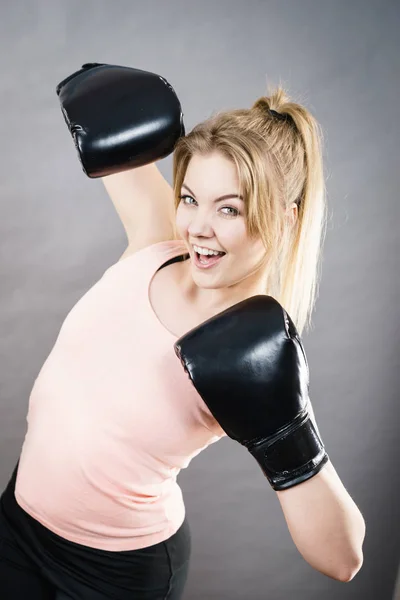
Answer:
x=122 y=121
x=144 y=202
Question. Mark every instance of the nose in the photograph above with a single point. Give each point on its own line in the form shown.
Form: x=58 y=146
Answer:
x=200 y=225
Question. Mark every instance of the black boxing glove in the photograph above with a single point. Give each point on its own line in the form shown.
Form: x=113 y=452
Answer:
x=249 y=366
x=119 y=117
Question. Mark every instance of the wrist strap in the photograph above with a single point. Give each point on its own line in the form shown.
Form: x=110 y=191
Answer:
x=291 y=457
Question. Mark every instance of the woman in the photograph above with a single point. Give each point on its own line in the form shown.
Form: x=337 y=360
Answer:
x=93 y=509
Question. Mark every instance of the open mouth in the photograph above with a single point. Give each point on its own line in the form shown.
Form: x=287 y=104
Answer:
x=204 y=261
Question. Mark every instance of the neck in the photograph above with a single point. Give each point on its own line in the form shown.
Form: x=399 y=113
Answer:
x=209 y=302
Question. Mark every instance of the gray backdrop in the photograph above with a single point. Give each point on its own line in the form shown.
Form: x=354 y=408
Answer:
x=59 y=232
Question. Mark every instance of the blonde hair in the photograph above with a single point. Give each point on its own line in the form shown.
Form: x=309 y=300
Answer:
x=279 y=161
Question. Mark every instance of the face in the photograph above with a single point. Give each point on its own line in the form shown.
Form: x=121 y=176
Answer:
x=211 y=215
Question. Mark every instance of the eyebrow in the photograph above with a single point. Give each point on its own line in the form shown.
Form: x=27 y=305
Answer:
x=226 y=197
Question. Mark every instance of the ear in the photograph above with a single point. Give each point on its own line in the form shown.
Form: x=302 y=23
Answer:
x=292 y=213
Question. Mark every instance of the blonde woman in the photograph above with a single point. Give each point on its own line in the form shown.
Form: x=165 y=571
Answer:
x=193 y=335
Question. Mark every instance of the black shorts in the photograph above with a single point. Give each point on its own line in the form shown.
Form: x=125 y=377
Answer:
x=37 y=564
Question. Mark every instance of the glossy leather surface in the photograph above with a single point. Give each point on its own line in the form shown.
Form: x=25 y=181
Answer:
x=119 y=117
x=249 y=366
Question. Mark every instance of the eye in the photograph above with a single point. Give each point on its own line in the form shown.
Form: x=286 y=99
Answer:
x=183 y=198
x=235 y=211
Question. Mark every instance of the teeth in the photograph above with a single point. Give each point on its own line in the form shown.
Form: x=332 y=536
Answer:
x=206 y=251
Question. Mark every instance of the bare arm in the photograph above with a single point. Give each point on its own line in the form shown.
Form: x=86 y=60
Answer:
x=144 y=202
x=325 y=524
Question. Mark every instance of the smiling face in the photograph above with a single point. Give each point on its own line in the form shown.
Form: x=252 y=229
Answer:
x=211 y=215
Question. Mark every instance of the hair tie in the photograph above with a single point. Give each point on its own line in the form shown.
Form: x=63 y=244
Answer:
x=281 y=117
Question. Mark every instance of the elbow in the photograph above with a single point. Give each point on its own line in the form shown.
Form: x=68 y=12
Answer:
x=343 y=570
x=349 y=572
x=353 y=566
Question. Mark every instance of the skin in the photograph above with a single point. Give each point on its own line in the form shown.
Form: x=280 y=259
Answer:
x=221 y=225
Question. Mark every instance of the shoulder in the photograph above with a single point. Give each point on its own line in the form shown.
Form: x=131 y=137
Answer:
x=153 y=247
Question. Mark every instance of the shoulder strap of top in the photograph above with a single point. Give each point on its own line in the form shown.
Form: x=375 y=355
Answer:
x=181 y=257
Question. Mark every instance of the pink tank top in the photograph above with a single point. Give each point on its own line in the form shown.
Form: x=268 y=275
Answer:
x=113 y=418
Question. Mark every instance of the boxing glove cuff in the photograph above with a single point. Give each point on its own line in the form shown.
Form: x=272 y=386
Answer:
x=292 y=456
